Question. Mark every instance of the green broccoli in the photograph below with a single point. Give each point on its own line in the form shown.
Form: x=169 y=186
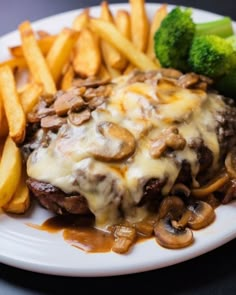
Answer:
x=212 y=56
x=172 y=41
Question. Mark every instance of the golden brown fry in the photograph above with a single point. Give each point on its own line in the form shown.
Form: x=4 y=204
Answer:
x=44 y=44
x=4 y=130
x=110 y=33
x=35 y=59
x=67 y=78
x=104 y=74
x=17 y=62
x=129 y=69
x=139 y=24
x=87 y=55
x=10 y=171
x=106 y=12
x=11 y=102
x=60 y=51
x=81 y=20
x=30 y=96
x=159 y=15
x=20 y=201
x=112 y=72
x=113 y=58
x=2 y=141
x=42 y=34
x=123 y=23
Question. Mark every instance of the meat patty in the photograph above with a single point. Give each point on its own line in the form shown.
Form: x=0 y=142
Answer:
x=61 y=124
x=55 y=200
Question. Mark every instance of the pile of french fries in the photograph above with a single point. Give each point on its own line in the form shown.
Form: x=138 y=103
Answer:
x=105 y=47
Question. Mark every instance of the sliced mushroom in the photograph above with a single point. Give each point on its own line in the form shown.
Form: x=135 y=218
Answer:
x=179 y=189
x=118 y=143
x=79 y=118
x=170 y=229
x=171 y=205
x=68 y=101
x=188 y=80
x=169 y=236
x=170 y=73
x=125 y=237
x=169 y=138
x=202 y=215
x=52 y=122
x=90 y=82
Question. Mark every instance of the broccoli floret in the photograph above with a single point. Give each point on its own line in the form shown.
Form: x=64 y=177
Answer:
x=174 y=37
x=232 y=41
x=212 y=56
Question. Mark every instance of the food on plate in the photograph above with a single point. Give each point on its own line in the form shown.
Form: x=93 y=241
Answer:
x=10 y=171
x=12 y=106
x=204 y=48
x=39 y=69
x=106 y=124
x=124 y=150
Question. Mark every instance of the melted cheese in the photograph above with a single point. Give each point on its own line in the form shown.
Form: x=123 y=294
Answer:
x=145 y=109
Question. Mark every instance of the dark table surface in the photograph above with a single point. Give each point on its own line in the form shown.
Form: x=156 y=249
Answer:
x=211 y=273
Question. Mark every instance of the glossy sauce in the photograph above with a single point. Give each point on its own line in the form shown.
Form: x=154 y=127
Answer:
x=80 y=232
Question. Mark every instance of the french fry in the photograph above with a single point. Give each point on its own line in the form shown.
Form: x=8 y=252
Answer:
x=35 y=60
x=112 y=72
x=60 y=51
x=4 y=130
x=155 y=24
x=11 y=102
x=20 y=201
x=44 y=44
x=30 y=96
x=81 y=20
x=10 y=171
x=104 y=74
x=67 y=78
x=139 y=24
x=1 y=147
x=129 y=69
x=113 y=58
x=15 y=62
x=110 y=33
x=42 y=34
x=123 y=23
x=87 y=56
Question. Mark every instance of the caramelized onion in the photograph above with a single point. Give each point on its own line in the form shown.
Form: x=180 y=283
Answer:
x=211 y=187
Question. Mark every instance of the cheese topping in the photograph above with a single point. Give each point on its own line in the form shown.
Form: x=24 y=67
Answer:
x=71 y=161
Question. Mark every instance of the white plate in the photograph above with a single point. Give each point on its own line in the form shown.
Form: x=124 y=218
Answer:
x=27 y=248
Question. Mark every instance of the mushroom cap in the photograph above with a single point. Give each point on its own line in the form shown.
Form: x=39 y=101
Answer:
x=171 y=205
x=202 y=215
x=172 y=237
x=112 y=136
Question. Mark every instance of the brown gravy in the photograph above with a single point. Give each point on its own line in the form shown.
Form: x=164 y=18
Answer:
x=80 y=233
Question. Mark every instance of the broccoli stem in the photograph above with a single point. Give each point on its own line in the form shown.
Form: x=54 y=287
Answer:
x=221 y=27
